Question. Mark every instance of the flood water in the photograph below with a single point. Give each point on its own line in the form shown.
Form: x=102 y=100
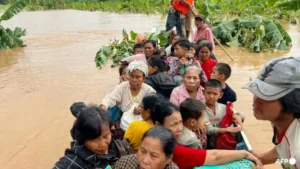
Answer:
x=40 y=82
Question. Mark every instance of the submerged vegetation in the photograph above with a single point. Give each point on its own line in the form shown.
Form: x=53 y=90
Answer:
x=12 y=38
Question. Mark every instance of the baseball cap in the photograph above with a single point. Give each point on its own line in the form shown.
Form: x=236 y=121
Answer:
x=200 y=16
x=278 y=77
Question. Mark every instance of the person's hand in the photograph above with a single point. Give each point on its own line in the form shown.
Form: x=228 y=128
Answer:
x=136 y=111
x=251 y=157
x=238 y=119
x=234 y=129
x=103 y=107
x=123 y=78
x=257 y=154
x=183 y=61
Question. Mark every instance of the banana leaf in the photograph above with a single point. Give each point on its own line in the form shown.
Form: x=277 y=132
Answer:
x=224 y=30
x=274 y=36
x=14 y=9
x=133 y=35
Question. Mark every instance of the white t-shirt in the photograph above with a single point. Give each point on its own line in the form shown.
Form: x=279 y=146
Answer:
x=289 y=147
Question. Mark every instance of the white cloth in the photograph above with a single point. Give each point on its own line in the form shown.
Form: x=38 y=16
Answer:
x=137 y=65
x=289 y=147
x=121 y=96
x=129 y=117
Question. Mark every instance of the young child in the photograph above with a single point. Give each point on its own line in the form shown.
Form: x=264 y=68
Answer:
x=222 y=72
x=122 y=72
x=173 y=39
x=215 y=112
x=138 y=49
x=207 y=63
x=193 y=114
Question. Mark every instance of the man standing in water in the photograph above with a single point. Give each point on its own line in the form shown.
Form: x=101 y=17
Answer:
x=277 y=99
x=176 y=15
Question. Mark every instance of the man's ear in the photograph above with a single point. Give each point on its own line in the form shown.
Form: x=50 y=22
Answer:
x=192 y=122
x=222 y=77
x=221 y=95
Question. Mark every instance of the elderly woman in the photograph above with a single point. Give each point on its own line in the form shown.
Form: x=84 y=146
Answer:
x=167 y=115
x=130 y=93
x=190 y=88
x=156 y=151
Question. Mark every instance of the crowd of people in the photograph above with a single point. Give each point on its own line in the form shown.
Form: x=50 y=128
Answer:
x=168 y=109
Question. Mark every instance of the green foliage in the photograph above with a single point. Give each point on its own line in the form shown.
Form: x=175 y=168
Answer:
x=12 y=38
x=117 y=50
x=14 y=9
x=257 y=33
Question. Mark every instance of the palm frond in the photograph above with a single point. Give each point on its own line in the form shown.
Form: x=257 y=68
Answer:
x=292 y=5
x=14 y=9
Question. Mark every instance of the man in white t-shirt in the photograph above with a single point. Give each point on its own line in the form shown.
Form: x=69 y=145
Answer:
x=277 y=99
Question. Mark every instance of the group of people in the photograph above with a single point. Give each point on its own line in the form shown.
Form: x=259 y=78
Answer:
x=167 y=110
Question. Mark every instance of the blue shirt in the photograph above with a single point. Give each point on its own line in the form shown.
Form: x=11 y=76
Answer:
x=228 y=95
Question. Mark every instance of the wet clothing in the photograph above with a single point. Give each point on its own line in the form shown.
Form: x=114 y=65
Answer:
x=228 y=95
x=135 y=132
x=188 y=158
x=162 y=83
x=80 y=157
x=131 y=162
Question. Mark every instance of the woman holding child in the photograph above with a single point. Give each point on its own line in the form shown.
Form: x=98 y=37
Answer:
x=129 y=94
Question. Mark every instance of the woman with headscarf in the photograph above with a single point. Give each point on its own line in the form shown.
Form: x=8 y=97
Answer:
x=128 y=95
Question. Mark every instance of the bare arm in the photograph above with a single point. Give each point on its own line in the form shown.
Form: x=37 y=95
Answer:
x=268 y=157
x=217 y=157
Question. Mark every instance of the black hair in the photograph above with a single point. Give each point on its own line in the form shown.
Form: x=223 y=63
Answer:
x=184 y=43
x=160 y=50
x=195 y=46
x=150 y=41
x=137 y=46
x=214 y=84
x=76 y=108
x=123 y=66
x=165 y=137
x=191 y=109
x=207 y=44
x=291 y=103
x=89 y=123
x=157 y=61
x=149 y=102
x=162 y=110
x=224 y=68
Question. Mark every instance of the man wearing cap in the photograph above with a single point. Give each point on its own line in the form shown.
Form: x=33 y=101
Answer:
x=203 y=30
x=277 y=99
x=176 y=15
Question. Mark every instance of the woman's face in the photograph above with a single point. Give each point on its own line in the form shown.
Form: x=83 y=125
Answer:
x=175 y=39
x=136 y=79
x=151 y=69
x=100 y=145
x=174 y=123
x=204 y=53
x=199 y=23
x=266 y=110
x=144 y=113
x=149 y=49
x=191 y=79
x=151 y=154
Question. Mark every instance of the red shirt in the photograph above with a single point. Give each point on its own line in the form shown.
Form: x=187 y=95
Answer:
x=208 y=66
x=188 y=158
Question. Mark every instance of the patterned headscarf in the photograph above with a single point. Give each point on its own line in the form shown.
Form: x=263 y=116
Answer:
x=137 y=65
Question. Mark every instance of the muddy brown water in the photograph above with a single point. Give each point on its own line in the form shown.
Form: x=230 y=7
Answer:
x=40 y=82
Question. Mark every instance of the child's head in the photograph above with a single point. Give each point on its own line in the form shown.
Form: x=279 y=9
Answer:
x=92 y=129
x=204 y=50
x=181 y=48
x=213 y=91
x=123 y=68
x=161 y=52
x=138 y=49
x=175 y=38
x=156 y=64
x=221 y=72
x=148 y=104
x=193 y=113
x=193 y=49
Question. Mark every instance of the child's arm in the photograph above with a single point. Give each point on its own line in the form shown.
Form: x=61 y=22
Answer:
x=211 y=130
